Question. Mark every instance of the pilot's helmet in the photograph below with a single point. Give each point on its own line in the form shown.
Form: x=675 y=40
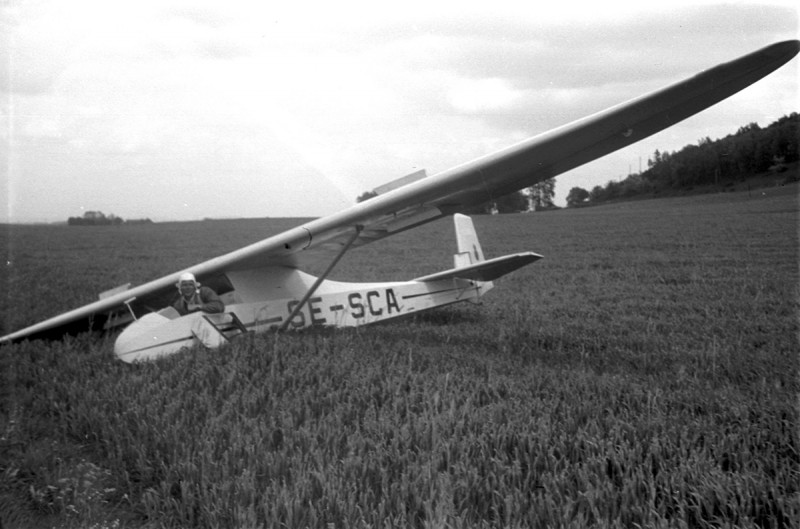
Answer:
x=187 y=277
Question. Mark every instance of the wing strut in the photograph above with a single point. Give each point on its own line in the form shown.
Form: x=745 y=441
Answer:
x=127 y=303
x=321 y=278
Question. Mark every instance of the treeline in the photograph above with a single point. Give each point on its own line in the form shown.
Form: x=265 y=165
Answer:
x=538 y=197
x=97 y=218
x=751 y=151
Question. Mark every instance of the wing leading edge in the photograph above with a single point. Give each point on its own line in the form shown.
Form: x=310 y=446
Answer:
x=455 y=190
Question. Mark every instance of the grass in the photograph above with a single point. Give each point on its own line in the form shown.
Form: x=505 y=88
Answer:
x=645 y=373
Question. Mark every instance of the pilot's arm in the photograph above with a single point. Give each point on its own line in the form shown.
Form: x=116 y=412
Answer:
x=211 y=302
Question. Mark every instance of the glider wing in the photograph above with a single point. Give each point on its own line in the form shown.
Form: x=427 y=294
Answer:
x=425 y=199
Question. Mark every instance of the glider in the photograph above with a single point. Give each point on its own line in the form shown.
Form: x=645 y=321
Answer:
x=264 y=288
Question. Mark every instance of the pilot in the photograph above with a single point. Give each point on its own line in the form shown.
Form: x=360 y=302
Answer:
x=196 y=298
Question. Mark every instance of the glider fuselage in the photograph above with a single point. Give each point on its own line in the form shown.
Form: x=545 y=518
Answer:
x=333 y=304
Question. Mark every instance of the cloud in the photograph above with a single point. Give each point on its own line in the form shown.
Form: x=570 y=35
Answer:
x=577 y=50
x=474 y=96
x=31 y=64
x=209 y=17
x=268 y=100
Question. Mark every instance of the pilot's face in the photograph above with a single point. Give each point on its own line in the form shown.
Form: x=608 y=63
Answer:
x=187 y=288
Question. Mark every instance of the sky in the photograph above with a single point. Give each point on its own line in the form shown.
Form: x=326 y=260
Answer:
x=184 y=109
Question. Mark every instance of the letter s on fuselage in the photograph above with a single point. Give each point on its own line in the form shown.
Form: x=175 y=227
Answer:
x=359 y=308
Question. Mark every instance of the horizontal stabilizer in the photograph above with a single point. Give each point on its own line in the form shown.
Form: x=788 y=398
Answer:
x=400 y=182
x=114 y=291
x=486 y=270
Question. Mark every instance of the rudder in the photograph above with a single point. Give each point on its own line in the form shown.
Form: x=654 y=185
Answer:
x=469 y=248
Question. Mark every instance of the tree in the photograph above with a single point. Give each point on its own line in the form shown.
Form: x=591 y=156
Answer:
x=366 y=195
x=511 y=203
x=541 y=194
x=597 y=194
x=94 y=218
x=576 y=196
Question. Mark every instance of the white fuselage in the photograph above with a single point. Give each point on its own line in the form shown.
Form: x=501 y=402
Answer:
x=332 y=304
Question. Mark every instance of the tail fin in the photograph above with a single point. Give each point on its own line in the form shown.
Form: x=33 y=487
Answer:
x=470 y=263
x=469 y=248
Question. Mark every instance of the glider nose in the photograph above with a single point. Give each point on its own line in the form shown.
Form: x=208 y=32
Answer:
x=140 y=339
